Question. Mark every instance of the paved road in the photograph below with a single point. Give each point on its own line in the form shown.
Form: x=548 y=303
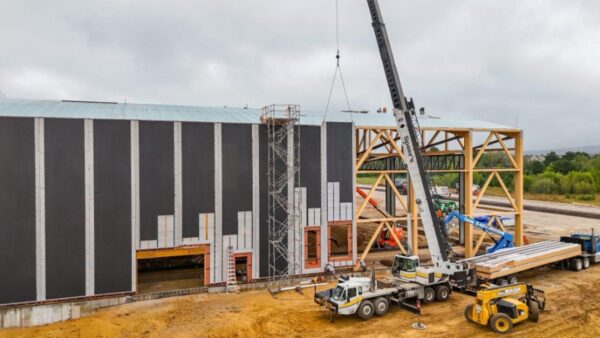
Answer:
x=580 y=210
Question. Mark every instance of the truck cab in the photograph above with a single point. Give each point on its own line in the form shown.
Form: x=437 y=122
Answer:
x=347 y=295
x=409 y=269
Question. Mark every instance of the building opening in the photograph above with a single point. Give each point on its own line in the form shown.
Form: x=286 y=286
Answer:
x=340 y=241
x=312 y=247
x=170 y=269
x=243 y=267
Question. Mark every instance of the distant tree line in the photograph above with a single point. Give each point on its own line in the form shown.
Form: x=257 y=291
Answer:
x=574 y=174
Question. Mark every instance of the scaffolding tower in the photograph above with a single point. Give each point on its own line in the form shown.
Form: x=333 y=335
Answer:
x=283 y=169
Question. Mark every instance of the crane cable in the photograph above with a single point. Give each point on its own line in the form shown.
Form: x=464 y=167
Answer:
x=338 y=69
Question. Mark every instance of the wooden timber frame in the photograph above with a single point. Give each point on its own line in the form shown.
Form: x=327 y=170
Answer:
x=441 y=147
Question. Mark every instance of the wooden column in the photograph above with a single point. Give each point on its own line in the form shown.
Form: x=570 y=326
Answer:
x=518 y=186
x=468 y=191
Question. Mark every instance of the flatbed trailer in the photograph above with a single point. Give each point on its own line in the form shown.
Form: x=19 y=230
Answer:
x=501 y=266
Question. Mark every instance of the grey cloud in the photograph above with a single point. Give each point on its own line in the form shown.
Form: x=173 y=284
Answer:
x=490 y=60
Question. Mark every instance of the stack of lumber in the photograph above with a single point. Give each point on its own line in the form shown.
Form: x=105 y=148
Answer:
x=509 y=261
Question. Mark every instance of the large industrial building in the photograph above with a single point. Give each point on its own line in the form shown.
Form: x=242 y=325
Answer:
x=89 y=188
x=92 y=193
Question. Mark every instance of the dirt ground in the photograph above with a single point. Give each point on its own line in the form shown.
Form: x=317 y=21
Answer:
x=573 y=308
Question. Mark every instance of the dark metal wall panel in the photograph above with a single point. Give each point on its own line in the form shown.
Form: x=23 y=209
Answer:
x=198 y=172
x=112 y=206
x=310 y=164
x=237 y=173
x=264 y=201
x=17 y=210
x=157 y=175
x=340 y=157
x=65 y=208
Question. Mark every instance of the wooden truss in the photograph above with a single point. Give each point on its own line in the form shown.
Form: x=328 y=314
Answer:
x=376 y=144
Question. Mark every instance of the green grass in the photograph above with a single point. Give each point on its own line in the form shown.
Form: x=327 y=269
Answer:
x=366 y=179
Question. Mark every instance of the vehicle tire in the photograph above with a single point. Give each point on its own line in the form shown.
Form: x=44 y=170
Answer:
x=501 y=323
x=501 y=282
x=381 y=306
x=512 y=280
x=428 y=295
x=534 y=311
x=442 y=292
x=366 y=309
x=585 y=262
x=576 y=264
x=468 y=313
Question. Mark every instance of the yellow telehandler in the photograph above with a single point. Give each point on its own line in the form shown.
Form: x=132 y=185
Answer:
x=501 y=307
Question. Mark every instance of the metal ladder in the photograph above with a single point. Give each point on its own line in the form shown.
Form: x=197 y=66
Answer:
x=231 y=276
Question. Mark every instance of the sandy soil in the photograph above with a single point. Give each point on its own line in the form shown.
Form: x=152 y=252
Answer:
x=573 y=310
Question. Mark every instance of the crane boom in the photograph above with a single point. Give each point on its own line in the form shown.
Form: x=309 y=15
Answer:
x=435 y=230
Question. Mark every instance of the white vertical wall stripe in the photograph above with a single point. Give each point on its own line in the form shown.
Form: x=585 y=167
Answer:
x=88 y=127
x=40 y=211
x=178 y=183
x=135 y=200
x=324 y=205
x=255 y=200
x=217 y=252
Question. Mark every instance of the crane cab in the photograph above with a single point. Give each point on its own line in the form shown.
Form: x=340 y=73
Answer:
x=408 y=268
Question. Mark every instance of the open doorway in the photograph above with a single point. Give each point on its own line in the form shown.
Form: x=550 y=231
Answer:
x=312 y=247
x=340 y=241
x=243 y=267
x=161 y=270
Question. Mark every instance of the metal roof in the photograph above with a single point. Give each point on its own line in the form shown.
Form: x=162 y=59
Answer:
x=162 y=112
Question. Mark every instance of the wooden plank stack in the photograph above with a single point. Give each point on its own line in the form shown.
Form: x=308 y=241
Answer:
x=509 y=261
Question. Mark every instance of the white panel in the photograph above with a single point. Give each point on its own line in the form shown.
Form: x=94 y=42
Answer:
x=211 y=229
x=248 y=230
x=324 y=196
x=178 y=203
x=336 y=201
x=255 y=200
x=330 y=204
x=304 y=208
x=40 y=211
x=88 y=137
x=135 y=200
x=290 y=202
x=216 y=249
x=202 y=227
x=150 y=244
x=170 y=226
x=240 y=229
x=161 y=231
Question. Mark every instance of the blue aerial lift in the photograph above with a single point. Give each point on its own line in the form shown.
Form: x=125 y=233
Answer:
x=505 y=241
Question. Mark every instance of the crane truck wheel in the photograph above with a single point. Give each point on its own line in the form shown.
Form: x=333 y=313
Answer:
x=534 y=311
x=469 y=313
x=501 y=282
x=381 y=306
x=366 y=310
x=586 y=262
x=501 y=323
x=442 y=292
x=512 y=280
x=576 y=264
x=428 y=295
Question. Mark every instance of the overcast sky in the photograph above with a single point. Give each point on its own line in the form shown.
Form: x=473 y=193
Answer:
x=536 y=60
